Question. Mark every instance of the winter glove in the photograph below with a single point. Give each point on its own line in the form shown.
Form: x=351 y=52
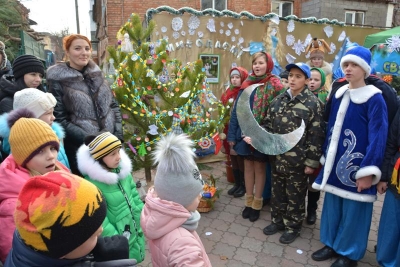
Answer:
x=111 y=248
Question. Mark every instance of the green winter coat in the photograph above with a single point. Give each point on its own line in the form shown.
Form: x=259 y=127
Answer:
x=112 y=184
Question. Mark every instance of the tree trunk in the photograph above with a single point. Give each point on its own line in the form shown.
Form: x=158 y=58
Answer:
x=147 y=167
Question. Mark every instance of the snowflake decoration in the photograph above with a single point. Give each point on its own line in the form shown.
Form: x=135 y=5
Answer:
x=163 y=29
x=241 y=40
x=328 y=30
x=233 y=38
x=289 y=58
x=230 y=25
x=192 y=32
x=193 y=22
x=228 y=32
x=298 y=47
x=222 y=24
x=176 y=35
x=333 y=48
x=200 y=34
x=342 y=36
x=221 y=31
x=308 y=39
x=290 y=40
x=211 y=25
x=290 y=26
x=393 y=43
x=275 y=19
x=237 y=31
x=183 y=33
x=177 y=23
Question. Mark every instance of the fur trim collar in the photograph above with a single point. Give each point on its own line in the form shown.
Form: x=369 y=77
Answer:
x=59 y=130
x=92 y=168
x=360 y=95
x=326 y=67
x=61 y=71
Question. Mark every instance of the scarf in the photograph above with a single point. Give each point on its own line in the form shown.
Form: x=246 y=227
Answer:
x=264 y=94
x=321 y=92
x=232 y=92
x=192 y=222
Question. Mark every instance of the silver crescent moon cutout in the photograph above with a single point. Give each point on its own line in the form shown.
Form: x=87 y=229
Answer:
x=263 y=141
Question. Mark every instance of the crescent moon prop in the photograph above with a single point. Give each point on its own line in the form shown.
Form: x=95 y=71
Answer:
x=263 y=141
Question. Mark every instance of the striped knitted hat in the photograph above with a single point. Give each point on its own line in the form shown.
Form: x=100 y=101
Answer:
x=103 y=145
x=57 y=212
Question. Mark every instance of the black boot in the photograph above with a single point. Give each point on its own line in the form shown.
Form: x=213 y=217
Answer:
x=242 y=188
x=312 y=206
x=236 y=175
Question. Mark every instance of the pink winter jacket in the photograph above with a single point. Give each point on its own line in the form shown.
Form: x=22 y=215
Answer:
x=12 y=179
x=169 y=243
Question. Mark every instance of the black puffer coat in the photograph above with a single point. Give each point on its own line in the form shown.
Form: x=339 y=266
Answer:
x=85 y=105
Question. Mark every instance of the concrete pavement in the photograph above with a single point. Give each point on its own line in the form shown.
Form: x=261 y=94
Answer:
x=235 y=241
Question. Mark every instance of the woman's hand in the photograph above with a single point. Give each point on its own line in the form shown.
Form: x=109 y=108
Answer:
x=247 y=139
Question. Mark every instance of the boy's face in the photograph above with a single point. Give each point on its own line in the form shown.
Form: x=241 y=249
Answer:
x=353 y=72
x=44 y=161
x=236 y=81
x=85 y=248
x=193 y=206
x=297 y=81
x=48 y=117
x=317 y=62
x=285 y=83
x=33 y=79
x=112 y=160
x=315 y=80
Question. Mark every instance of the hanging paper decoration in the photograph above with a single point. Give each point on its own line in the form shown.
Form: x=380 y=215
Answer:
x=275 y=19
x=298 y=47
x=211 y=25
x=289 y=58
x=183 y=33
x=193 y=22
x=230 y=25
x=127 y=46
x=228 y=33
x=290 y=40
x=342 y=36
x=333 y=48
x=290 y=26
x=177 y=23
x=142 y=150
x=237 y=31
x=152 y=130
x=164 y=29
x=134 y=57
x=192 y=32
x=185 y=94
x=111 y=70
x=308 y=39
x=175 y=35
x=328 y=30
x=200 y=34
x=256 y=47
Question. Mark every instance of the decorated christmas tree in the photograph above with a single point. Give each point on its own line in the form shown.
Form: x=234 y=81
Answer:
x=159 y=95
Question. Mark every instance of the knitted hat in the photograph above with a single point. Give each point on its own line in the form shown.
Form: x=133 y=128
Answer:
x=35 y=100
x=323 y=76
x=3 y=63
x=177 y=179
x=103 y=145
x=359 y=55
x=28 y=135
x=317 y=48
x=57 y=212
x=26 y=64
x=301 y=66
x=284 y=74
x=235 y=72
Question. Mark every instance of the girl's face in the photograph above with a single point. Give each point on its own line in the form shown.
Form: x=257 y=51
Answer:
x=315 y=80
x=260 y=66
x=285 y=83
x=193 y=206
x=48 y=117
x=317 y=62
x=79 y=54
x=44 y=161
x=236 y=81
x=353 y=72
x=297 y=81
x=112 y=160
x=33 y=79
x=86 y=247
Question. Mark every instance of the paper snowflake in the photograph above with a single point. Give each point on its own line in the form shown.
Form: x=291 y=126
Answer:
x=222 y=24
x=241 y=40
x=298 y=47
x=221 y=31
x=289 y=58
x=308 y=39
x=228 y=32
x=290 y=39
x=393 y=43
x=163 y=29
x=200 y=34
x=183 y=33
x=192 y=31
x=230 y=25
x=152 y=130
x=176 y=35
x=342 y=36
x=275 y=19
x=177 y=23
x=237 y=31
x=328 y=30
x=211 y=25
x=290 y=26
x=333 y=49
x=233 y=38
x=193 y=22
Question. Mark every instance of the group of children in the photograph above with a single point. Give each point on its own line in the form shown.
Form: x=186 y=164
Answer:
x=342 y=156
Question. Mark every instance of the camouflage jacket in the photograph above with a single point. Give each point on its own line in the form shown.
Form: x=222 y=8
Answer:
x=284 y=116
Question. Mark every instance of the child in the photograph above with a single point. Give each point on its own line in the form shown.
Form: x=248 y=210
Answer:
x=317 y=49
x=237 y=76
x=290 y=170
x=42 y=106
x=103 y=162
x=58 y=219
x=388 y=247
x=317 y=84
x=254 y=161
x=284 y=75
x=353 y=152
x=34 y=147
x=169 y=218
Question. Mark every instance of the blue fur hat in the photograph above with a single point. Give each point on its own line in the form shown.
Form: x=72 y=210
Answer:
x=359 y=55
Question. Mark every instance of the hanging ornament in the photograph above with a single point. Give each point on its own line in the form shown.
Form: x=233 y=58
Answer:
x=204 y=143
x=342 y=36
x=149 y=148
x=120 y=82
x=152 y=130
x=290 y=27
x=111 y=70
x=127 y=45
x=328 y=30
x=142 y=150
x=211 y=25
x=193 y=22
x=132 y=148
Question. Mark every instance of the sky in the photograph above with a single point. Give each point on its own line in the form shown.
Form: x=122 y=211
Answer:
x=53 y=16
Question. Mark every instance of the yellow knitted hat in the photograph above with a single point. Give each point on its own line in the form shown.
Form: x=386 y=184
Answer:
x=28 y=136
x=103 y=145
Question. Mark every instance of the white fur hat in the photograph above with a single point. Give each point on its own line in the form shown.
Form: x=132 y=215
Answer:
x=34 y=100
x=177 y=179
x=359 y=55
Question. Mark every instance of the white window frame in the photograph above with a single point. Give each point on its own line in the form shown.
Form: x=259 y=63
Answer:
x=213 y=4
x=353 y=20
x=281 y=7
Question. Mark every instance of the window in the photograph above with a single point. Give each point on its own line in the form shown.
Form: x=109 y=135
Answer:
x=282 y=8
x=214 y=4
x=354 y=17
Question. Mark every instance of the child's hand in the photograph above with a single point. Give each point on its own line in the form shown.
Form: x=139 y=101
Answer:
x=231 y=144
x=247 y=139
x=308 y=170
x=381 y=187
x=364 y=183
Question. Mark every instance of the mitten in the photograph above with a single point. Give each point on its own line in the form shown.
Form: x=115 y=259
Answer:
x=111 y=248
